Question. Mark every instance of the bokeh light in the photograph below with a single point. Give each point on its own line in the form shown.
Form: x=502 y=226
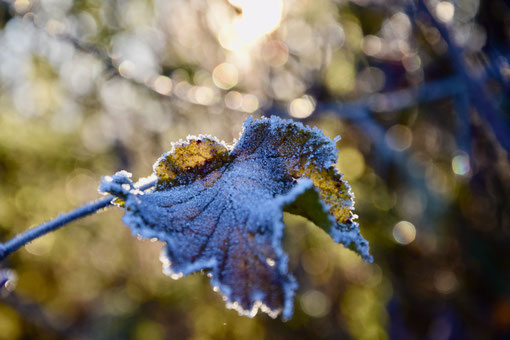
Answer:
x=340 y=75
x=250 y=103
x=404 y=232
x=351 y=163
x=162 y=85
x=460 y=164
x=399 y=137
x=372 y=45
x=315 y=303
x=275 y=53
x=225 y=76
x=302 y=107
x=445 y=281
x=127 y=69
x=445 y=11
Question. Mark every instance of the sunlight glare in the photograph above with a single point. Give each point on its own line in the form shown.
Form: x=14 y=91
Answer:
x=257 y=18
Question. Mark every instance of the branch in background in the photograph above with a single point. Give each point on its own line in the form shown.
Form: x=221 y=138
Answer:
x=379 y=102
x=397 y=100
x=453 y=86
x=478 y=92
x=462 y=121
x=91 y=49
x=20 y=240
x=38 y=316
x=387 y=102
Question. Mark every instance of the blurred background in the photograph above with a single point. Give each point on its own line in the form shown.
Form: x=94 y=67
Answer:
x=418 y=90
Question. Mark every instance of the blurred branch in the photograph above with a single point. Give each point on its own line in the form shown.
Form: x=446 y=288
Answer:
x=379 y=102
x=397 y=100
x=392 y=101
x=463 y=126
x=387 y=102
x=478 y=92
x=91 y=49
x=20 y=240
x=36 y=315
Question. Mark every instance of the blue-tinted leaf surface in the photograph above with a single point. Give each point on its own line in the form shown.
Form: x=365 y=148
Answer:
x=219 y=208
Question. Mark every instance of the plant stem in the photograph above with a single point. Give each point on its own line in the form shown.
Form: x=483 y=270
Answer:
x=62 y=219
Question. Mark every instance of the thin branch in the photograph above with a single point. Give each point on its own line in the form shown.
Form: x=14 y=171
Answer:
x=20 y=240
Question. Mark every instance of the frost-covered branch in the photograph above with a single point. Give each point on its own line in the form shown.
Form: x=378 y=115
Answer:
x=61 y=220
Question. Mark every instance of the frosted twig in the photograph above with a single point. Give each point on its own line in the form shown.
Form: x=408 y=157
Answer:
x=20 y=240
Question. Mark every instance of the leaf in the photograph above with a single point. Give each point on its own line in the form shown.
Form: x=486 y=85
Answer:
x=219 y=208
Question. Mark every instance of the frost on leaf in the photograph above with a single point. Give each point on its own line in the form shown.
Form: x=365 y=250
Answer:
x=219 y=208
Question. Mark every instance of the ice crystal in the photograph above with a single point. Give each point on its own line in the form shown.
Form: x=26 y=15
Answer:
x=219 y=208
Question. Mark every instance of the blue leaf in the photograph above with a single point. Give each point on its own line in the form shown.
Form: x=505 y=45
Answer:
x=219 y=208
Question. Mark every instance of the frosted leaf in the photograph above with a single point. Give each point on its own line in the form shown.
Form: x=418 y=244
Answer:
x=219 y=208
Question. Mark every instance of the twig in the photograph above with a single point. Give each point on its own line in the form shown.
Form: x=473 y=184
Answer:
x=20 y=240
